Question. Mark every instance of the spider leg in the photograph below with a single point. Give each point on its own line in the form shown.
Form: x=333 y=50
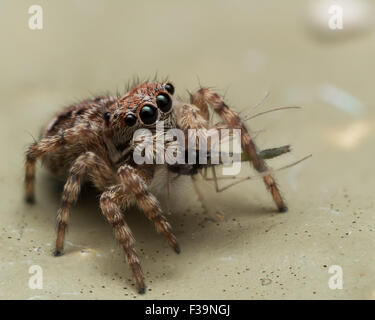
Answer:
x=209 y=209
x=196 y=117
x=99 y=173
x=35 y=151
x=204 y=97
x=197 y=101
x=168 y=211
x=215 y=178
x=190 y=116
x=147 y=202
x=109 y=203
x=193 y=117
x=47 y=145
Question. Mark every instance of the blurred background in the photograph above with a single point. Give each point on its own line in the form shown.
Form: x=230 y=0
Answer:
x=315 y=54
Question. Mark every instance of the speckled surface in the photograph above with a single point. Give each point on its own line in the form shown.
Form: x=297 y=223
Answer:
x=244 y=50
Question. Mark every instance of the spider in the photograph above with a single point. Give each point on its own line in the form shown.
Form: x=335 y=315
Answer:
x=91 y=141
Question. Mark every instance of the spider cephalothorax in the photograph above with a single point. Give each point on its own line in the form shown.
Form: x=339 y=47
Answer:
x=92 y=141
x=144 y=105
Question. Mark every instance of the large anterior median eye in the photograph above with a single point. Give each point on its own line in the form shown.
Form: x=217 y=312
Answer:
x=164 y=102
x=148 y=114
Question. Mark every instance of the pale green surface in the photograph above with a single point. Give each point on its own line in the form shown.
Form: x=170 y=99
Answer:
x=246 y=47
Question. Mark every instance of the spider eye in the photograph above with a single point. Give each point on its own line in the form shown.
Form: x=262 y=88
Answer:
x=148 y=114
x=170 y=88
x=164 y=102
x=130 y=120
x=107 y=117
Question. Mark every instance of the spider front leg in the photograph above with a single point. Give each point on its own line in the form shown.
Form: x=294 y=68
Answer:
x=147 y=202
x=110 y=203
x=204 y=97
x=99 y=173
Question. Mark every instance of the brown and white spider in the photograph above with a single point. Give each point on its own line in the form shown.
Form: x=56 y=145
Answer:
x=91 y=141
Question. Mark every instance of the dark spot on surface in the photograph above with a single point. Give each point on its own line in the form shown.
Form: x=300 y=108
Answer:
x=265 y=281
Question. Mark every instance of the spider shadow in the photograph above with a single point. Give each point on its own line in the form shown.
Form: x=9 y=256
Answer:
x=91 y=225
x=86 y=212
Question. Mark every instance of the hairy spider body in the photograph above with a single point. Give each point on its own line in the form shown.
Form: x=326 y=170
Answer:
x=91 y=141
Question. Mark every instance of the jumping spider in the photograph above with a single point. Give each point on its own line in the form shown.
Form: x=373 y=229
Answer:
x=90 y=141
